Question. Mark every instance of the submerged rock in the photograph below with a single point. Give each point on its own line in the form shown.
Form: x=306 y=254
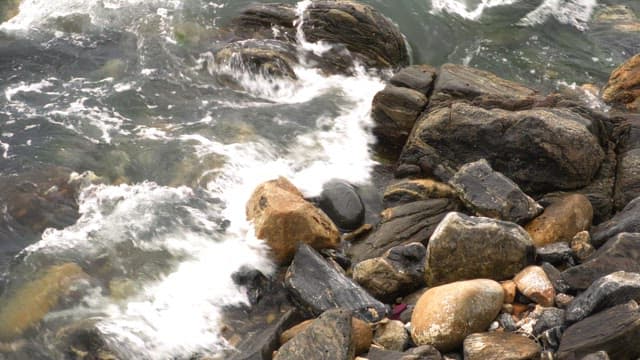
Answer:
x=445 y=315
x=268 y=58
x=283 y=218
x=622 y=88
x=464 y=247
x=500 y=346
x=562 y=220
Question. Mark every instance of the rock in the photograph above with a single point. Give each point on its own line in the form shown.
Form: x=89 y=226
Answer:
x=462 y=247
x=533 y=283
x=328 y=337
x=397 y=273
x=417 y=77
x=267 y=58
x=614 y=330
x=581 y=246
x=549 y=318
x=500 y=346
x=319 y=286
x=509 y=287
x=9 y=9
x=283 y=219
x=410 y=190
x=550 y=339
x=564 y=155
x=259 y=20
x=555 y=276
x=506 y=321
x=394 y=111
x=391 y=335
x=445 y=315
x=261 y=344
x=362 y=334
x=424 y=352
x=489 y=193
x=627 y=176
x=614 y=289
x=84 y=340
x=620 y=253
x=349 y=23
x=622 y=88
x=561 y=220
x=401 y=225
x=563 y=300
x=556 y=253
x=341 y=202
x=600 y=355
x=24 y=307
x=627 y=220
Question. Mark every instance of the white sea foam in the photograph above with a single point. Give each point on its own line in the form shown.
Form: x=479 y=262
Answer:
x=462 y=7
x=571 y=12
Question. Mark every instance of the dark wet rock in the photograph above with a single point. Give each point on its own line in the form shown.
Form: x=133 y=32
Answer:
x=409 y=190
x=463 y=247
x=491 y=194
x=260 y=345
x=318 y=286
x=600 y=355
x=622 y=88
x=394 y=111
x=556 y=278
x=391 y=335
x=581 y=246
x=83 y=340
x=615 y=330
x=627 y=220
x=341 y=202
x=259 y=20
x=549 y=317
x=562 y=220
x=401 y=225
x=328 y=338
x=361 y=334
x=627 y=186
x=368 y=35
x=268 y=58
x=600 y=191
x=534 y=283
x=257 y=285
x=614 y=289
x=397 y=273
x=498 y=346
x=550 y=339
x=338 y=256
x=620 y=253
x=424 y=352
x=417 y=77
x=540 y=149
x=557 y=254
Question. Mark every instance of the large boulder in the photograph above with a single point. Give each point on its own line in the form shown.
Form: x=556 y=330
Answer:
x=283 y=218
x=467 y=247
x=445 y=315
x=318 y=285
x=417 y=77
x=561 y=221
x=540 y=149
x=266 y=21
x=500 y=346
x=489 y=193
x=627 y=220
x=401 y=225
x=623 y=86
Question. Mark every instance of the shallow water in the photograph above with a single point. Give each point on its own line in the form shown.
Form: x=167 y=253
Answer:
x=125 y=88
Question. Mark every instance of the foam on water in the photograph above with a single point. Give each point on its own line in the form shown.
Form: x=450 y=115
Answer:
x=462 y=8
x=571 y=12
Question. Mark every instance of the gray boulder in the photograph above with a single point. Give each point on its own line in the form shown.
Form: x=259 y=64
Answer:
x=627 y=220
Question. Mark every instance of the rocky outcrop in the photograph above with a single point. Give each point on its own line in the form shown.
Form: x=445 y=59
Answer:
x=283 y=218
x=489 y=193
x=562 y=220
x=627 y=220
x=499 y=346
x=463 y=247
x=623 y=88
x=445 y=315
x=341 y=202
x=401 y=225
x=319 y=286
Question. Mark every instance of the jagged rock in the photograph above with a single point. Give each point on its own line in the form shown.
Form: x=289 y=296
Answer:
x=391 y=335
x=463 y=247
x=500 y=346
x=416 y=77
x=581 y=246
x=397 y=273
x=533 y=283
x=627 y=185
x=540 y=149
x=410 y=190
x=318 y=286
x=549 y=318
x=491 y=194
x=627 y=220
x=614 y=289
x=556 y=253
x=622 y=88
x=341 y=202
x=327 y=338
x=401 y=225
x=620 y=253
x=561 y=220
x=283 y=218
x=260 y=345
x=269 y=58
x=614 y=330
x=394 y=111
x=362 y=334
x=445 y=315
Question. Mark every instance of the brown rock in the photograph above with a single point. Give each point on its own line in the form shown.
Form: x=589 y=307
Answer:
x=534 y=283
x=500 y=346
x=581 y=246
x=623 y=87
x=445 y=315
x=509 y=287
x=561 y=220
x=391 y=335
x=362 y=334
x=283 y=218
x=410 y=190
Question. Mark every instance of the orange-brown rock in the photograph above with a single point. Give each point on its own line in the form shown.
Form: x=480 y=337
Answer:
x=534 y=283
x=561 y=221
x=509 y=287
x=361 y=336
x=283 y=218
x=623 y=87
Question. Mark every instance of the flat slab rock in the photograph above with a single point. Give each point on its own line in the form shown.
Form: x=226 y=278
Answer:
x=500 y=346
x=318 y=286
x=491 y=194
x=615 y=330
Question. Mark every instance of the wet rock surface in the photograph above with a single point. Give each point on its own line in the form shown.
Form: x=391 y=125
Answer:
x=627 y=220
x=534 y=283
x=562 y=220
x=261 y=344
x=487 y=346
x=341 y=202
x=410 y=190
x=622 y=88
